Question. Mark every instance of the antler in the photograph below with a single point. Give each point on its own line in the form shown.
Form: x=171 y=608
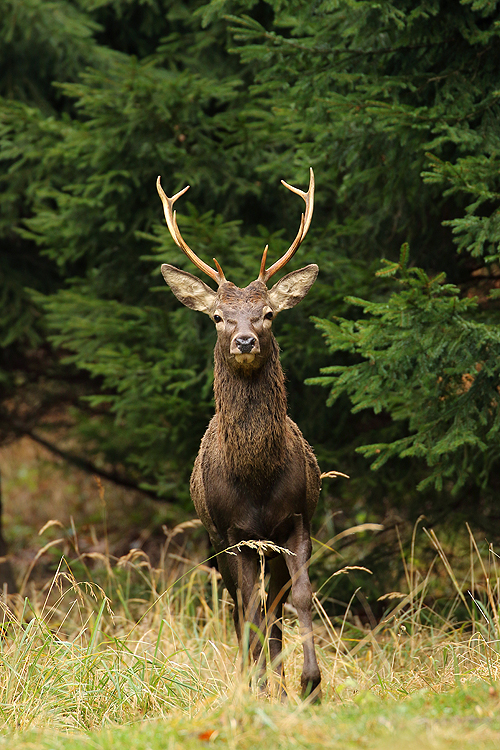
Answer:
x=305 y=222
x=170 y=218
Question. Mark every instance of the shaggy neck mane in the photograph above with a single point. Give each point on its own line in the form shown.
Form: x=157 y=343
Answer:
x=251 y=410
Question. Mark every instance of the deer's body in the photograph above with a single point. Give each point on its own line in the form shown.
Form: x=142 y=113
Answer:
x=253 y=456
x=269 y=508
x=255 y=477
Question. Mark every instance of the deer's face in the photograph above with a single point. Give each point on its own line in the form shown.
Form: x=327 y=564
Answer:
x=242 y=317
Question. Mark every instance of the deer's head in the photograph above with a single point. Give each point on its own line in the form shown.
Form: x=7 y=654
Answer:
x=242 y=317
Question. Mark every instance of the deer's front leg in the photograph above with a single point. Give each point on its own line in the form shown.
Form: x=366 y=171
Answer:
x=248 y=607
x=279 y=587
x=300 y=544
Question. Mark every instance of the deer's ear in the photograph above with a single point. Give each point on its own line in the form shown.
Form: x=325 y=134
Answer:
x=189 y=289
x=293 y=287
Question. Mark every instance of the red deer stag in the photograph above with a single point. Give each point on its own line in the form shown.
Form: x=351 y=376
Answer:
x=255 y=476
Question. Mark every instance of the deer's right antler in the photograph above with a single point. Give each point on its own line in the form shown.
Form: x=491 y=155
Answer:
x=170 y=218
x=305 y=222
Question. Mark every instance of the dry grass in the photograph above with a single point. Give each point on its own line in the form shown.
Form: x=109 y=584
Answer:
x=80 y=657
x=132 y=640
x=147 y=643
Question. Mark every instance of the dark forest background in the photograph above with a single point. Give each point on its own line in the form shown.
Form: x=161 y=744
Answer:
x=393 y=359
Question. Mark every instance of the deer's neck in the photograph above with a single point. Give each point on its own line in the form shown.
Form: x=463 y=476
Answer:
x=251 y=411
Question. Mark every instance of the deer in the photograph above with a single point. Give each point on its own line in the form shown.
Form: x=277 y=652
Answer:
x=255 y=478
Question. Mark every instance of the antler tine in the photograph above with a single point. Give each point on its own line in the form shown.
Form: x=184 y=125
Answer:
x=263 y=263
x=305 y=223
x=171 y=219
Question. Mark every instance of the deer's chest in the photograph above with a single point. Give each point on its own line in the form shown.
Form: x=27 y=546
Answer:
x=254 y=507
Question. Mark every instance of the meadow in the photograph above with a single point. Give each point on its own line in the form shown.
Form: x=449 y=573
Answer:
x=104 y=650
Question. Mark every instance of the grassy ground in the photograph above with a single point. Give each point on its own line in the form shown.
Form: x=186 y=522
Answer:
x=463 y=719
x=102 y=650
x=76 y=675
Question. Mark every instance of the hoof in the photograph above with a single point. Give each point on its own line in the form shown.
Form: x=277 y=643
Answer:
x=311 y=689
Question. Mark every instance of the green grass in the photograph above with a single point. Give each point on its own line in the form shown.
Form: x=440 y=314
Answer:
x=462 y=718
x=131 y=658
x=139 y=652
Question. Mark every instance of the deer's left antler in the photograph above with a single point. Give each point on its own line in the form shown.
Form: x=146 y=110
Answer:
x=305 y=223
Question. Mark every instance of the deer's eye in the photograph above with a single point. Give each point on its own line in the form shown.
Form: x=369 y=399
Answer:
x=217 y=319
x=269 y=315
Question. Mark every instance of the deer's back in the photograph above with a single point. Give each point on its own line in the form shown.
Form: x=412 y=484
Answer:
x=258 y=504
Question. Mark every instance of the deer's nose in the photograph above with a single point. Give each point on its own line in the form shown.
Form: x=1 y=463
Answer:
x=245 y=343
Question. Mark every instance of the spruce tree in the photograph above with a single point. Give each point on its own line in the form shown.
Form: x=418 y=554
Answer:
x=395 y=106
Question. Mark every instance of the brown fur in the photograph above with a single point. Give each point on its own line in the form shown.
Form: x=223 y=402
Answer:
x=255 y=476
